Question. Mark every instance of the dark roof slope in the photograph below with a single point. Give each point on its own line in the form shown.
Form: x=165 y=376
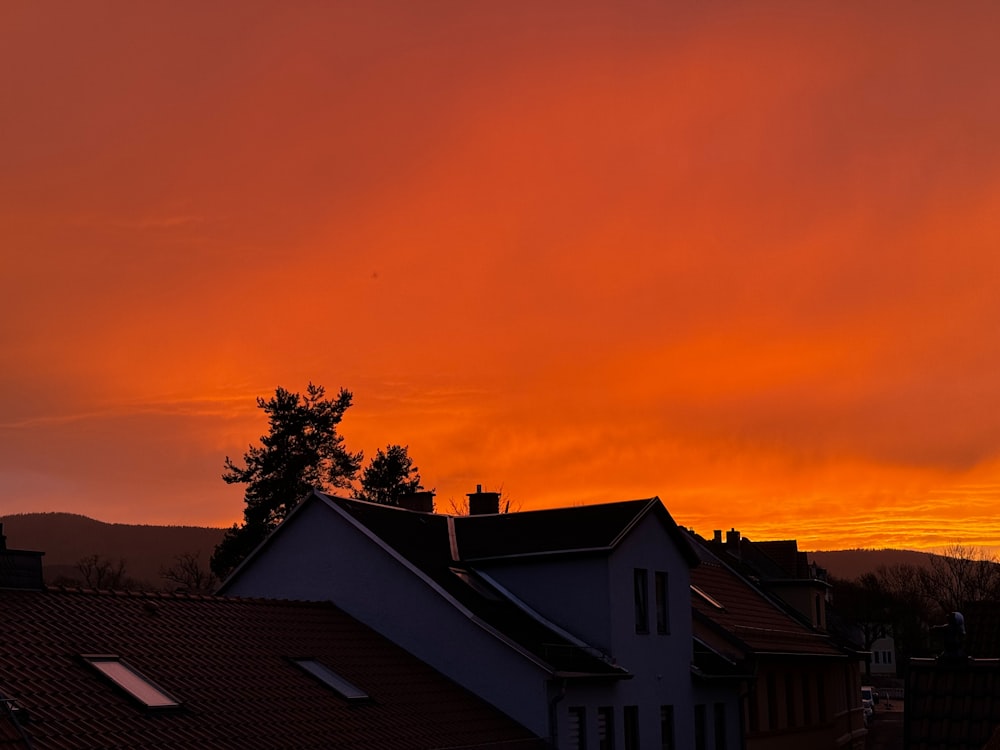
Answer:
x=227 y=662
x=586 y=528
x=747 y=615
x=424 y=540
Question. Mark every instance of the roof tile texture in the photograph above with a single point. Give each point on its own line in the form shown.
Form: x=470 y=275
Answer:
x=227 y=661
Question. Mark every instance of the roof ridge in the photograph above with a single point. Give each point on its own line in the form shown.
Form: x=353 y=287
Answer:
x=179 y=596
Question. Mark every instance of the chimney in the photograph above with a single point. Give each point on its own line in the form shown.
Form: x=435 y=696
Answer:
x=421 y=501
x=733 y=542
x=483 y=503
x=19 y=569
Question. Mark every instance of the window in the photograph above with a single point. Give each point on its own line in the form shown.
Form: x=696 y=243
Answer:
x=720 y=726
x=631 y=726
x=131 y=681
x=771 y=696
x=331 y=679
x=699 y=727
x=576 y=732
x=821 y=698
x=790 y=717
x=706 y=598
x=667 y=728
x=640 y=586
x=606 y=728
x=662 y=605
x=888 y=657
x=753 y=709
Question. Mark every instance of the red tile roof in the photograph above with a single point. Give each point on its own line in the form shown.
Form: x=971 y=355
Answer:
x=752 y=618
x=952 y=704
x=226 y=660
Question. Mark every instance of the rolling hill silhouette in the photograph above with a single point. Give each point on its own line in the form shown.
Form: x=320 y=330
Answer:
x=66 y=538
x=848 y=564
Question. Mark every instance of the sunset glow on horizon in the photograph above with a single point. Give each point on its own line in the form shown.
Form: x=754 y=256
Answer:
x=741 y=257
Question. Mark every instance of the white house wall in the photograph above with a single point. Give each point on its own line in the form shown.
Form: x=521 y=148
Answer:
x=592 y=597
x=320 y=556
x=571 y=592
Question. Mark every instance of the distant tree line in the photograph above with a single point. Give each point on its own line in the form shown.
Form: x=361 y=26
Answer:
x=908 y=601
x=186 y=573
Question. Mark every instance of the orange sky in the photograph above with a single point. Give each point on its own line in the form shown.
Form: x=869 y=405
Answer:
x=741 y=256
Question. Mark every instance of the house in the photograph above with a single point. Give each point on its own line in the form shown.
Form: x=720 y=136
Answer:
x=883 y=659
x=802 y=687
x=89 y=669
x=575 y=621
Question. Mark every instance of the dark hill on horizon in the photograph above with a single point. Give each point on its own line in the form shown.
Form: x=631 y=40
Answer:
x=848 y=564
x=67 y=538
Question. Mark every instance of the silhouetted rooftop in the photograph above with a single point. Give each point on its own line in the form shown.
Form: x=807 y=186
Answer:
x=425 y=540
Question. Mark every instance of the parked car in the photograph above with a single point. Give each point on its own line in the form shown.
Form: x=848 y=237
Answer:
x=869 y=699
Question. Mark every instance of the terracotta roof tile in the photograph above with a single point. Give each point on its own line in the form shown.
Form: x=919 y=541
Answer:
x=226 y=660
x=953 y=705
x=749 y=616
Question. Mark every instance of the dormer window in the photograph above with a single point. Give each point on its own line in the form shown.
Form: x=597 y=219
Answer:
x=133 y=682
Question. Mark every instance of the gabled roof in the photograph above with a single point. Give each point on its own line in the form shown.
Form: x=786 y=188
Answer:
x=557 y=531
x=428 y=543
x=750 y=619
x=227 y=662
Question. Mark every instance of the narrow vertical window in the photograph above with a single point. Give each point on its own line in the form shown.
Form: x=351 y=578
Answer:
x=667 y=728
x=640 y=586
x=606 y=728
x=791 y=718
x=807 y=714
x=631 y=726
x=821 y=698
x=771 y=696
x=720 y=726
x=662 y=603
x=699 y=727
x=576 y=732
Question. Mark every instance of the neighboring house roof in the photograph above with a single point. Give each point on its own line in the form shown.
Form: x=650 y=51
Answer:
x=227 y=662
x=769 y=561
x=726 y=604
x=953 y=704
x=432 y=544
x=557 y=531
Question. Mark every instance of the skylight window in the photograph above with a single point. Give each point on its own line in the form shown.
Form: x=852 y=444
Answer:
x=331 y=679
x=706 y=597
x=476 y=584
x=131 y=681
